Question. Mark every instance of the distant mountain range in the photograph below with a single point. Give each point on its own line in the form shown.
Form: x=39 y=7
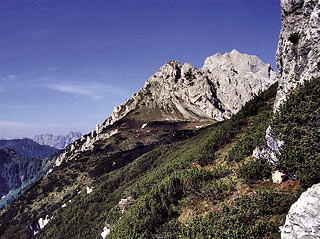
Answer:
x=57 y=141
x=28 y=148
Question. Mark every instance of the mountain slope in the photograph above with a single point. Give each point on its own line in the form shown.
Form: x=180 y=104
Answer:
x=18 y=173
x=207 y=186
x=28 y=148
x=58 y=141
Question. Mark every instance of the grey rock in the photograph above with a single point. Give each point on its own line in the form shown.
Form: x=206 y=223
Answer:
x=238 y=77
x=303 y=219
x=298 y=55
x=217 y=91
x=273 y=146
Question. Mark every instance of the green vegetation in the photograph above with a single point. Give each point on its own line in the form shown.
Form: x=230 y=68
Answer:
x=254 y=169
x=298 y=125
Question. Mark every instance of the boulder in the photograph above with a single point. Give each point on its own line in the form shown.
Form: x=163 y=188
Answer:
x=303 y=219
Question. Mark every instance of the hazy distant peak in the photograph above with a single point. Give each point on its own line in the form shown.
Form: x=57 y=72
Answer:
x=57 y=141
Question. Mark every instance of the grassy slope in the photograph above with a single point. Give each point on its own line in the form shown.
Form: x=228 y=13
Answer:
x=207 y=186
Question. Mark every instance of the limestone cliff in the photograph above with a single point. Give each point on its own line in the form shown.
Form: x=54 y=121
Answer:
x=298 y=55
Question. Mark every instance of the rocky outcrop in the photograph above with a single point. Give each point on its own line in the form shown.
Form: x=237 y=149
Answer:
x=298 y=58
x=298 y=55
x=277 y=177
x=303 y=219
x=57 y=141
x=273 y=146
x=85 y=143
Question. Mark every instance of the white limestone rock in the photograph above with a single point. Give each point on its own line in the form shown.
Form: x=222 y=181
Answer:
x=303 y=219
x=89 y=190
x=298 y=61
x=277 y=177
x=183 y=92
x=106 y=231
x=238 y=77
x=217 y=91
x=124 y=203
x=144 y=125
x=42 y=222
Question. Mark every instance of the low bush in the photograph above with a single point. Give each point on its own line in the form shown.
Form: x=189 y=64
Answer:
x=297 y=123
x=254 y=169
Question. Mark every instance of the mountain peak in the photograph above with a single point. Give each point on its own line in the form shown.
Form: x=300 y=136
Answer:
x=218 y=90
x=58 y=141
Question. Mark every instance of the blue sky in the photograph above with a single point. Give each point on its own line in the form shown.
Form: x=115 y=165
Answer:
x=64 y=64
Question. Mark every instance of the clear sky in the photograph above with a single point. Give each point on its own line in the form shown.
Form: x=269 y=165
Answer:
x=64 y=64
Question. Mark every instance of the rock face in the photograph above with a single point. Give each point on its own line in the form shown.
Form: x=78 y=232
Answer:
x=59 y=141
x=298 y=55
x=217 y=91
x=237 y=77
x=303 y=220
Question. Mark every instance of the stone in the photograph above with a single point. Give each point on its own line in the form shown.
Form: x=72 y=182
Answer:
x=277 y=177
x=124 y=203
x=97 y=129
x=106 y=231
x=303 y=219
x=298 y=60
x=238 y=77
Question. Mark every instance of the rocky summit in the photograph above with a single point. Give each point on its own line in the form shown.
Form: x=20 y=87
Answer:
x=216 y=91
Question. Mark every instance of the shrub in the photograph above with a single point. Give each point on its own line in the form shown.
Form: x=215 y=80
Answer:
x=297 y=124
x=254 y=169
